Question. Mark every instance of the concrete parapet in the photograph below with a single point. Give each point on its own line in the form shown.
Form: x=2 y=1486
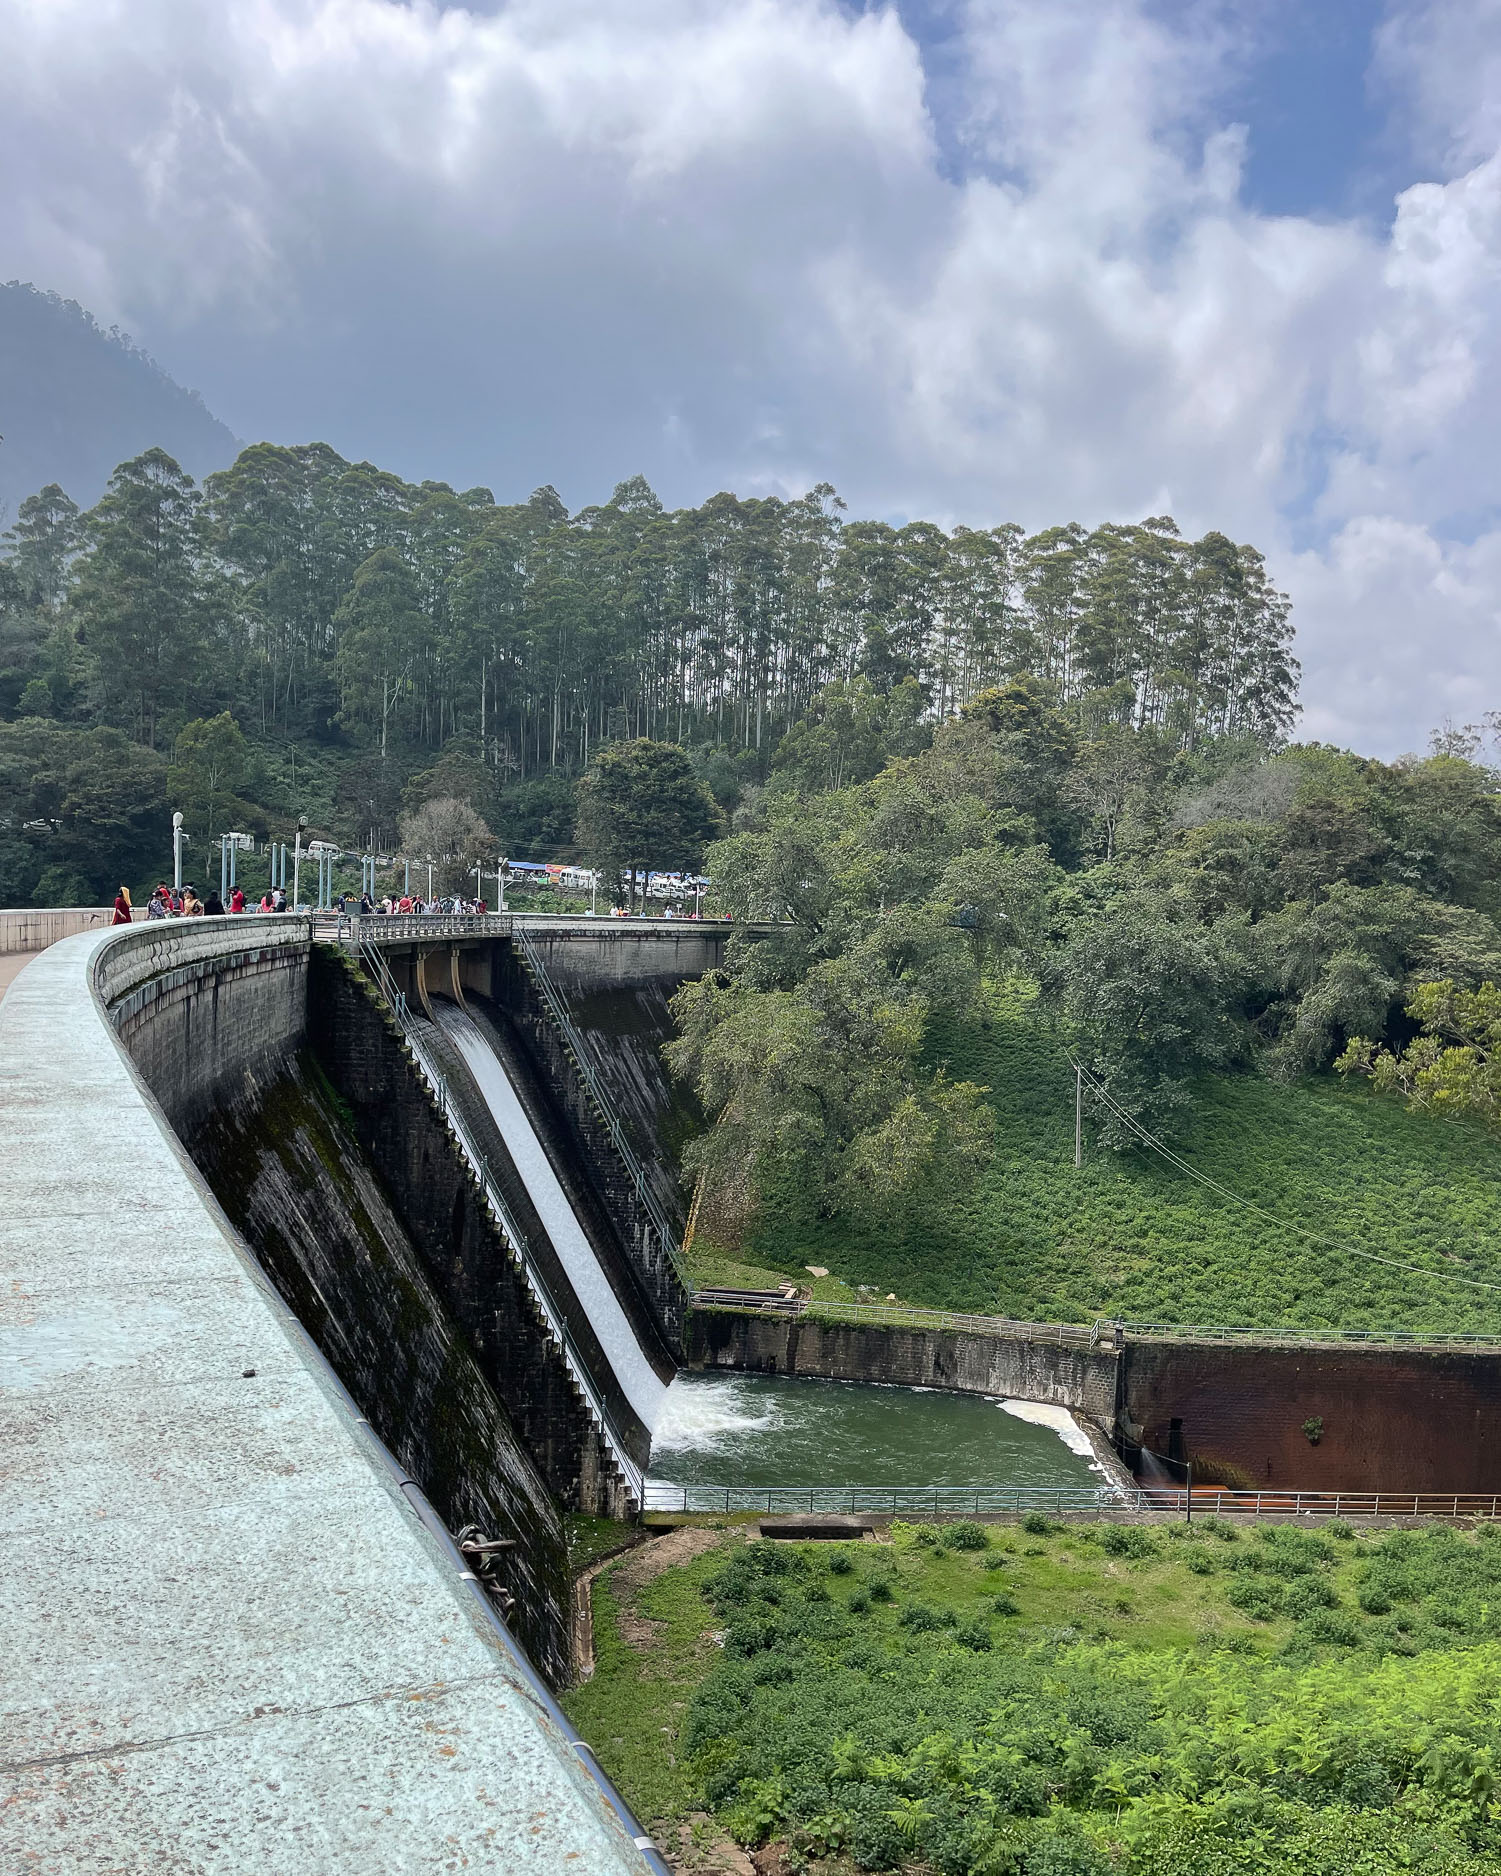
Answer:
x=34 y=928
x=1068 y=1375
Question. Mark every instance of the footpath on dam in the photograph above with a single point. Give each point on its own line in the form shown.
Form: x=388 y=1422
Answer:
x=234 y=1642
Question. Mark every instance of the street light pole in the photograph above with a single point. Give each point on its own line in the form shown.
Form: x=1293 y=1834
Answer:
x=178 y=837
x=297 y=864
x=500 y=881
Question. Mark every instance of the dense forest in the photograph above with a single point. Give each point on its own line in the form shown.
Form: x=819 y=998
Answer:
x=359 y=630
x=1050 y=769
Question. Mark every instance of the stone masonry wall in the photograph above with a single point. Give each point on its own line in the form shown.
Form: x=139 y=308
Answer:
x=1063 y=1376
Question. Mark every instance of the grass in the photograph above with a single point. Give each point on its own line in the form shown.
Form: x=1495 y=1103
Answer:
x=1129 y=1235
x=1083 y=1700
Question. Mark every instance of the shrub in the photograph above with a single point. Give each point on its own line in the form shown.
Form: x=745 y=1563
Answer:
x=975 y=1635
x=1337 y=1528
x=881 y=1590
x=967 y=1535
x=859 y=1602
x=1257 y=1598
x=1200 y=1562
x=1005 y=1604
x=923 y=1619
x=1037 y=1524
x=1374 y=1600
x=1127 y=1540
x=1307 y=1594
x=840 y=1562
x=1331 y=1625
x=1222 y=1529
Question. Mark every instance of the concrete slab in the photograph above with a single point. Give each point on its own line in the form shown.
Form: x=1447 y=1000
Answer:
x=231 y=1645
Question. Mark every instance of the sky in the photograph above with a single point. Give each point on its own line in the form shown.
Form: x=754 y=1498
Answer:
x=1238 y=261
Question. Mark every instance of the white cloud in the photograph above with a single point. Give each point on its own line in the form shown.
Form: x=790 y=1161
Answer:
x=718 y=241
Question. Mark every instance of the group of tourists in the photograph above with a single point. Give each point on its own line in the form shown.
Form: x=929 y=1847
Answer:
x=408 y=905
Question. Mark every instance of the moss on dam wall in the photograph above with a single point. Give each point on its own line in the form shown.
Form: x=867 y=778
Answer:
x=280 y=1155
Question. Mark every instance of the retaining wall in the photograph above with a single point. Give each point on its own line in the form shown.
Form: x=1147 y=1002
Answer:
x=1082 y=1378
x=1420 y=1420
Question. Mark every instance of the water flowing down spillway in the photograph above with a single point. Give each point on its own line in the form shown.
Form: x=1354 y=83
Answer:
x=760 y=1430
x=639 y=1381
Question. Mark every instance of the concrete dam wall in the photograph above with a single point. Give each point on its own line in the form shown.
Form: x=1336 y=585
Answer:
x=235 y=1622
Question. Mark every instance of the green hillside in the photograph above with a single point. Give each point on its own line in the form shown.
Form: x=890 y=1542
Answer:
x=1131 y=1236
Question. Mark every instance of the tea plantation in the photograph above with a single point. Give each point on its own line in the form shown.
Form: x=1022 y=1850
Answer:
x=1046 y=1702
x=1130 y=1235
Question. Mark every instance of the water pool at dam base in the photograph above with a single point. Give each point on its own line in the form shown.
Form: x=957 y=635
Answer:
x=768 y=1431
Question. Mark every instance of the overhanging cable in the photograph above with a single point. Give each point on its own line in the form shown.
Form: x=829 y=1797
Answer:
x=1283 y=1224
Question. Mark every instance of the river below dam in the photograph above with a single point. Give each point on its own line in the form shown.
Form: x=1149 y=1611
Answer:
x=764 y=1430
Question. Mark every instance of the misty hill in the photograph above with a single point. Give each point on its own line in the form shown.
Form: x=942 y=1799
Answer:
x=76 y=400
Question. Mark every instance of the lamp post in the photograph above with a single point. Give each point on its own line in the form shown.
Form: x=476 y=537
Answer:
x=297 y=862
x=178 y=837
x=500 y=882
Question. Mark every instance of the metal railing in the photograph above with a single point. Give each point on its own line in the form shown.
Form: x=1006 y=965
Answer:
x=898 y=1316
x=978 y=1500
x=358 y=928
x=891 y=1500
x=1371 y=1338
x=578 y=1054
x=555 y=1317
x=1211 y=1499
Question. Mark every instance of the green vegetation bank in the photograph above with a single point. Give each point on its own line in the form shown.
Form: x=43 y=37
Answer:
x=1184 y=1701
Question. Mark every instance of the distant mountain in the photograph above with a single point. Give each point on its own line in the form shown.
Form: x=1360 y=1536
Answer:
x=76 y=400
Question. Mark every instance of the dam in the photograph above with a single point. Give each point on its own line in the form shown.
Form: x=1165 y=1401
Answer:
x=342 y=1267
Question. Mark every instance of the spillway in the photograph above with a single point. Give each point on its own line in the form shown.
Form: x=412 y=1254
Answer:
x=639 y=1381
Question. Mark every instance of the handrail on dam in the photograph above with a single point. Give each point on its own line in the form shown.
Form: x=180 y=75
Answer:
x=579 y=1055
x=556 y=1318
x=899 y=1316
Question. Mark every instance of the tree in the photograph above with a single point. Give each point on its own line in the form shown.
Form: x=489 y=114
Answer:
x=210 y=763
x=81 y=811
x=1147 y=999
x=137 y=594
x=641 y=807
x=449 y=833
x=382 y=627
x=1454 y=1067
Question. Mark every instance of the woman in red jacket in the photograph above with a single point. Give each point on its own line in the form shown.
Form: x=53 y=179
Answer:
x=122 y=907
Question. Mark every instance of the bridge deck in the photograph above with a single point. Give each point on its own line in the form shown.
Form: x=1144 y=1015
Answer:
x=230 y=1644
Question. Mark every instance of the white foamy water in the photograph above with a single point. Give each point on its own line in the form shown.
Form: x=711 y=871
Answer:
x=639 y=1381
x=713 y=1418
x=1063 y=1423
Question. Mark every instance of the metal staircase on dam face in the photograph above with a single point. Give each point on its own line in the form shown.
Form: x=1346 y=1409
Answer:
x=553 y=1314
x=577 y=1052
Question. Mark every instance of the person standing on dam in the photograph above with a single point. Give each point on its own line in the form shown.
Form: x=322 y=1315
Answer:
x=122 y=907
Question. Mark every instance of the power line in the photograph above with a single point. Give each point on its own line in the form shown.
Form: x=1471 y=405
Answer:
x=1182 y=1165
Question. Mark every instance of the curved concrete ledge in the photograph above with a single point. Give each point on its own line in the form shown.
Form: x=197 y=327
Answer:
x=232 y=1645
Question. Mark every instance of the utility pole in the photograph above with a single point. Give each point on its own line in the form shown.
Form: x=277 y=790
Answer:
x=500 y=883
x=1078 y=1117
